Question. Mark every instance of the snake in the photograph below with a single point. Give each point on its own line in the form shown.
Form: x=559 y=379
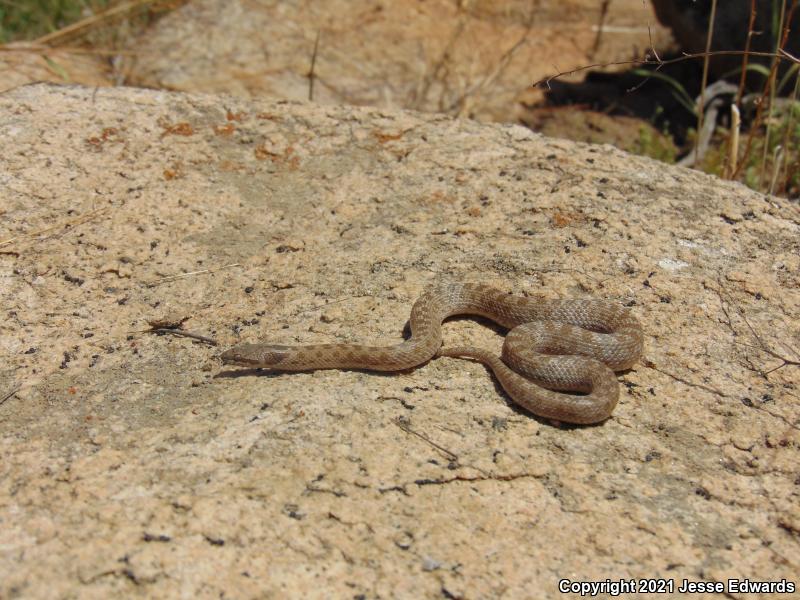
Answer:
x=553 y=346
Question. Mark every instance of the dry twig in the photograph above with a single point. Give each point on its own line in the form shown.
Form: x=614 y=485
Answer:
x=192 y=274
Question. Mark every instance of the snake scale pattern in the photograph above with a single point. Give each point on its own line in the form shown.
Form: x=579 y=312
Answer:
x=552 y=347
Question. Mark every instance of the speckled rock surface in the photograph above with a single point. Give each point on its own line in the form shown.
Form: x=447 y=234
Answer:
x=135 y=466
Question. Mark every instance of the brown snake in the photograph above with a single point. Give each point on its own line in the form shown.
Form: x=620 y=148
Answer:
x=573 y=344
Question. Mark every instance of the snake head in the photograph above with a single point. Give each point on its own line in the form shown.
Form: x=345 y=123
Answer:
x=266 y=356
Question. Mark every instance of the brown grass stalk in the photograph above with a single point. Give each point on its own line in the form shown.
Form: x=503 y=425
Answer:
x=701 y=108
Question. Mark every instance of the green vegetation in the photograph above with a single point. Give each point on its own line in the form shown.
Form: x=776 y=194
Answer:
x=778 y=149
x=29 y=19
x=778 y=146
x=660 y=147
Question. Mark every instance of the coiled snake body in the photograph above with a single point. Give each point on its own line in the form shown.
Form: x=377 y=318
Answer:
x=566 y=345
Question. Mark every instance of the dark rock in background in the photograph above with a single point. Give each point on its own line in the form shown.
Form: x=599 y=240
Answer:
x=688 y=20
x=662 y=98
